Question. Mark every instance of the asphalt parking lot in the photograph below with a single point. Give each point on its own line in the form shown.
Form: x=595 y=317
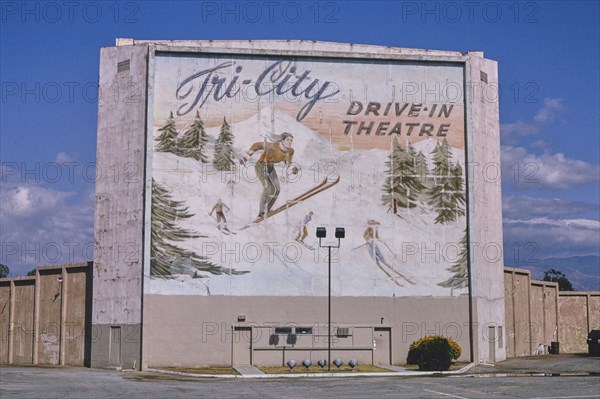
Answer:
x=559 y=377
x=550 y=364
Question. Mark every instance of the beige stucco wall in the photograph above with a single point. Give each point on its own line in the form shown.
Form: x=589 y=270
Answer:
x=537 y=313
x=579 y=313
x=22 y=334
x=531 y=312
x=118 y=223
x=5 y=318
x=194 y=330
x=45 y=317
x=485 y=208
x=518 y=331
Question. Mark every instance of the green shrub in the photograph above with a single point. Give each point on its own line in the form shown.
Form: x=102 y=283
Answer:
x=435 y=355
x=456 y=350
x=415 y=349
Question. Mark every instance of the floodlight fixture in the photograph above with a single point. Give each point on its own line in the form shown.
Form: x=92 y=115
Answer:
x=339 y=234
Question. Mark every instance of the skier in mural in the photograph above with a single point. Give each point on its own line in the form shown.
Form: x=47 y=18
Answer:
x=272 y=154
x=371 y=236
x=231 y=185
x=303 y=230
x=221 y=220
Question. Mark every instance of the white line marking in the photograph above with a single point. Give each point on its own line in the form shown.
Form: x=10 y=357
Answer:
x=567 y=397
x=446 y=394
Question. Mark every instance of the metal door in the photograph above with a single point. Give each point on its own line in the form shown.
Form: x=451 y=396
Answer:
x=114 y=350
x=382 y=348
x=492 y=343
x=242 y=345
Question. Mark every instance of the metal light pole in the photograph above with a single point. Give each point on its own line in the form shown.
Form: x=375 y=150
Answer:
x=322 y=233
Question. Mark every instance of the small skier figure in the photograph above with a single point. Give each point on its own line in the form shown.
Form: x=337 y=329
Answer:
x=272 y=154
x=370 y=235
x=221 y=220
x=231 y=186
x=303 y=230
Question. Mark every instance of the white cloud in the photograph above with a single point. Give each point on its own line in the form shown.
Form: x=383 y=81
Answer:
x=63 y=157
x=524 y=207
x=41 y=226
x=555 y=171
x=20 y=201
x=518 y=128
x=553 y=238
x=551 y=110
x=540 y=144
x=539 y=228
x=29 y=199
x=548 y=222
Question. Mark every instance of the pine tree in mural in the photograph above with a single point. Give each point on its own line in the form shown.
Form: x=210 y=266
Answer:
x=441 y=159
x=223 y=160
x=422 y=169
x=167 y=140
x=392 y=187
x=402 y=184
x=411 y=150
x=410 y=175
x=193 y=142
x=444 y=197
x=458 y=192
x=166 y=257
x=460 y=279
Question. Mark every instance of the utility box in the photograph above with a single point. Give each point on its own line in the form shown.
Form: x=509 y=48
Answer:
x=593 y=342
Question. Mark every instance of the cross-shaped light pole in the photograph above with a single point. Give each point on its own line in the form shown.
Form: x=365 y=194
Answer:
x=322 y=233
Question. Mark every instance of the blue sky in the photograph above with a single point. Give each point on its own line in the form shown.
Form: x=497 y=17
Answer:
x=548 y=59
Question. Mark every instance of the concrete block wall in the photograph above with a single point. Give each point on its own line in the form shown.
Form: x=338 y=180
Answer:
x=205 y=328
x=485 y=208
x=579 y=313
x=531 y=312
x=45 y=318
x=537 y=313
x=118 y=224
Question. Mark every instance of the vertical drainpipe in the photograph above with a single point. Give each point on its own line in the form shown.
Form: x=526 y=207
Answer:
x=466 y=115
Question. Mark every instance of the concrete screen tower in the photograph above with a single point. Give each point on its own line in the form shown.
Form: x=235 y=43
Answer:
x=217 y=162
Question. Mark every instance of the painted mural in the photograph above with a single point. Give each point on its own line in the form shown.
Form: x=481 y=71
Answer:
x=250 y=154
